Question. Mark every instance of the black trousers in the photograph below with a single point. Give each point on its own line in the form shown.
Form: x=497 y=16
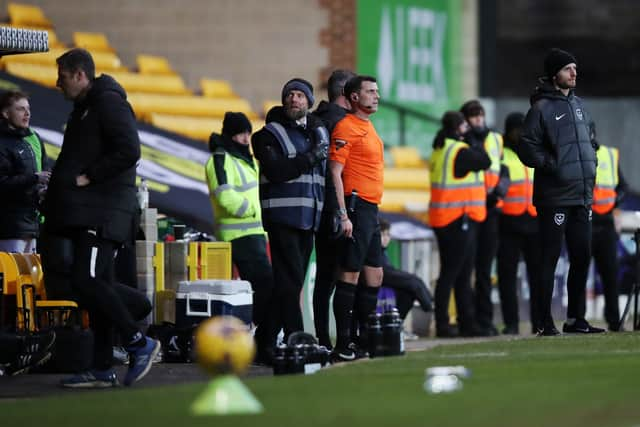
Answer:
x=290 y=252
x=408 y=288
x=512 y=245
x=556 y=224
x=326 y=271
x=84 y=269
x=249 y=254
x=457 y=248
x=487 y=248
x=604 y=249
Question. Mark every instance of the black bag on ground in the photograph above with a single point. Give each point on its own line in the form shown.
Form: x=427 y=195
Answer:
x=177 y=342
x=72 y=351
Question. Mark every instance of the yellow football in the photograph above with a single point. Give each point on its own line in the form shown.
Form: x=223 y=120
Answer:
x=223 y=345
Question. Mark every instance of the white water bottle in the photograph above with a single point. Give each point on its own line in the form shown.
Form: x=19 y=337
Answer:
x=143 y=194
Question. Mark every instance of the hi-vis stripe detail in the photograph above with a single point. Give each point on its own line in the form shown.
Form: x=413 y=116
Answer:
x=291 y=202
x=92 y=264
x=280 y=130
x=302 y=179
x=476 y=175
x=238 y=188
x=243 y=208
x=458 y=204
x=515 y=199
x=241 y=227
x=605 y=201
x=451 y=186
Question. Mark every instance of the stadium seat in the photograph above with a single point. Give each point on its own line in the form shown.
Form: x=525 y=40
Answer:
x=132 y=82
x=146 y=103
x=157 y=84
x=23 y=277
x=216 y=89
x=45 y=75
x=10 y=272
x=269 y=104
x=106 y=61
x=150 y=64
x=193 y=127
x=406 y=178
x=95 y=42
x=406 y=157
x=22 y=15
x=405 y=201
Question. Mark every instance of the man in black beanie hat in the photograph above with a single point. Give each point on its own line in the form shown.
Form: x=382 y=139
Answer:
x=232 y=176
x=496 y=182
x=555 y=141
x=292 y=150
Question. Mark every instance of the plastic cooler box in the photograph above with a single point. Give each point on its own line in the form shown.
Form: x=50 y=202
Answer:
x=200 y=299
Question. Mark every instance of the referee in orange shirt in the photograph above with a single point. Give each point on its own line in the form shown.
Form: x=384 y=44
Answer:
x=357 y=167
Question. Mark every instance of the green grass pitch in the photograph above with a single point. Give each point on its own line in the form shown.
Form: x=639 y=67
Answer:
x=558 y=381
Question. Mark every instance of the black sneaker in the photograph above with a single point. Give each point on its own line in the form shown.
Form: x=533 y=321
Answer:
x=581 y=326
x=548 y=331
x=34 y=351
x=36 y=342
x=348 y=354
x=448 y=331
x=617 y=327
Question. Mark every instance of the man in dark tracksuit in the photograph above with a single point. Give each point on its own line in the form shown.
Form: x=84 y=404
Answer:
x=91 y=202
x=555 y=141
x=23 y=174
x=326 y=240
x=292 y=149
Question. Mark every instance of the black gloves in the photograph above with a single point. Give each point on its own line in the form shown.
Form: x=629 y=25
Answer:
x=320 y=151
x=503 y=183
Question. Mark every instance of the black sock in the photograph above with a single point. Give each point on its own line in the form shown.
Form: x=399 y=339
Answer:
x=366 y=302
x=354 y=315
x=343 y=300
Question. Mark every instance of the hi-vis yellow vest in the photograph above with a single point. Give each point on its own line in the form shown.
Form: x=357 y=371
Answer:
x=604 y=193
x=453 y=197
x=236 y=203
x=518 y=199
x=493 y=145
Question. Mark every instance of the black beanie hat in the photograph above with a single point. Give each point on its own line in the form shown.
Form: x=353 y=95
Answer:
x=235 y=123
x=451 y=121
x=556 y=60
x=472 y=109
x=301 y=85
x=513 y=120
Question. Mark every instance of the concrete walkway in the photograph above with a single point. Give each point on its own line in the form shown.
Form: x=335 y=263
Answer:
x=165 y=374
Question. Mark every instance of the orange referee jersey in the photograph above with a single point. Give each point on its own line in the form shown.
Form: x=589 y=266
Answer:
x=356 y=144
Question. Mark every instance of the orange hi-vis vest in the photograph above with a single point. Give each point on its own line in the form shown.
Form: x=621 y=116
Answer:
x=453 y=197
x=493 y=145
x=518 y=199
x=604 y=193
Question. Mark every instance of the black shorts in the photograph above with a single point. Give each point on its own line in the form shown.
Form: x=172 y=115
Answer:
x=364 y=248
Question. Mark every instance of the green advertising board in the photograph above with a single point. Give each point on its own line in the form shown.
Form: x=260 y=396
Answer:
x=413 y=48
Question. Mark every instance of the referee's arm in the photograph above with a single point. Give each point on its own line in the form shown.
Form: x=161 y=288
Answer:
x=336 y=173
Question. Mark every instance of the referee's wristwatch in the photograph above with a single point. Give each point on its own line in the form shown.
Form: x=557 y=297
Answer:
x=342 y=214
